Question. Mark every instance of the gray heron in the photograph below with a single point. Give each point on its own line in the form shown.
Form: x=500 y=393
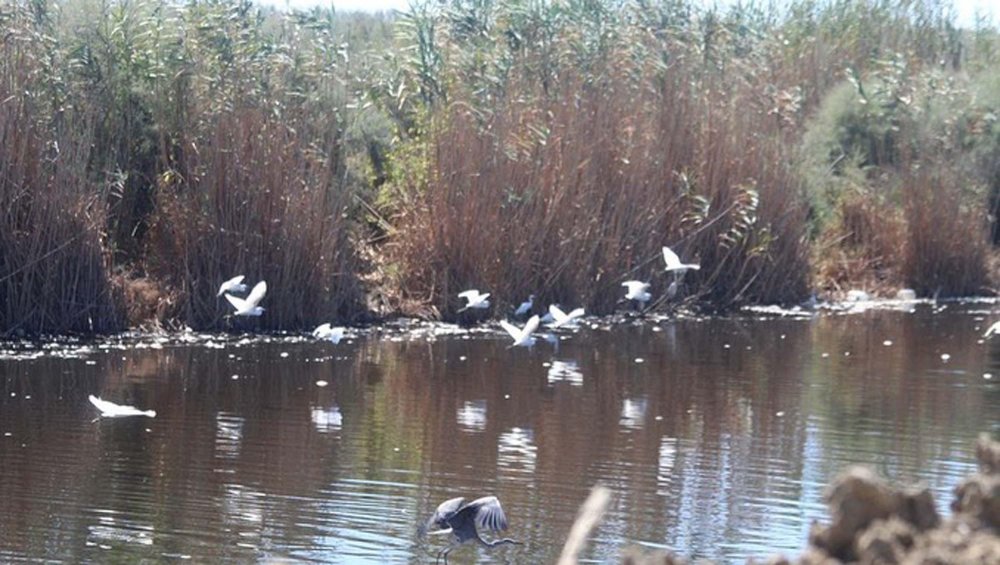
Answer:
x=464 y=520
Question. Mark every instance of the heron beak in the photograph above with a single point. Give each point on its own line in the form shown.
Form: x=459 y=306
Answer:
x=439 y=532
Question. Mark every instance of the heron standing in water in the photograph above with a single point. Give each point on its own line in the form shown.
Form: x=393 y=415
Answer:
x=464 y=521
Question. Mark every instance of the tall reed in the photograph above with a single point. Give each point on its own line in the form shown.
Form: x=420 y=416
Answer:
x=54 y=272
x=569 y=192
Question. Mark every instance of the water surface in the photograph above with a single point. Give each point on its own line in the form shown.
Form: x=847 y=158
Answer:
x=716 y=437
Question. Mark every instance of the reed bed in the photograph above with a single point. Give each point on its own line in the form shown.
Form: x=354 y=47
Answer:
x=54 y=270
x=541 y=147
x=257 y=199
x=569 y=190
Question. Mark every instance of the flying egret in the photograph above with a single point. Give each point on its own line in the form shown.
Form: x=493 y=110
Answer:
x=324 y=331
x=525 y=307
x=674 y=262
x=112 y=410
x=464 y=521
x=995 y=328
x=234 y=284
x=638 y=291
x=248 y=306
x=561 y=318
x=522 y=336
x=475 y=300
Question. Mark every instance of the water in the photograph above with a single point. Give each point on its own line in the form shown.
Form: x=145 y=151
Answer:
x=716 y=437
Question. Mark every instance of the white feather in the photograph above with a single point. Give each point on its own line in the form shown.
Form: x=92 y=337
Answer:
x=674 y=262
x=111 y=410
x=249 y=305
x=325 y=331
x=637 y=291
x=522 y=336
x=561 y=318
x=233 y=285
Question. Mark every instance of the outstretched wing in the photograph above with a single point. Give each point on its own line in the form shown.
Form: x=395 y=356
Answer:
x=531 y=326
x=671 y=258
x=995 y=328
x=575 y=313
x=230 y=284
x=238 y=303
x=557 y=314
x=469 y=295
x=488 y=513
x=102 y=405
x=322 y=329
x=257 y=294
x=514 y=331
x=439 y=520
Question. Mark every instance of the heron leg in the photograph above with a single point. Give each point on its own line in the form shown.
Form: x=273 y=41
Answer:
x=445 y=553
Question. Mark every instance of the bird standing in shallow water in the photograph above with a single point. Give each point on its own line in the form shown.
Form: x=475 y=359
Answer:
x=525 y=307
x=463 y=521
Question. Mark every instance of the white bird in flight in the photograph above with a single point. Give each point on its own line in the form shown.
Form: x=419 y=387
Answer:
x=995 y=328
x=248 y=306
x=234 y=284
x=638 y=291
x=522 y=336
x=674 y=262
x=525 y=307
x=324 y=331
x=561 y=318
x=475 y=300
x=112 y=410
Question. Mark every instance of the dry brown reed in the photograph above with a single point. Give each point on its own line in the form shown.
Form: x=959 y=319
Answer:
x=568 y=195
x=947 y=233
x=54 y=272
x=256 y=196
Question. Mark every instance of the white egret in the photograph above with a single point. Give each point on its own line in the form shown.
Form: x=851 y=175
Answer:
x=561 y=318
x=249 y=306
x=522 y=336
x=674 y=262
x=638 y=291
x=112 y=410
x=475 y=300
x=324 y=331
x=525 y=307
x=234 y=284
x=995 y=328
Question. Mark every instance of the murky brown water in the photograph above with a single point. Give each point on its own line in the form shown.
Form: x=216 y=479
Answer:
x=716 y=444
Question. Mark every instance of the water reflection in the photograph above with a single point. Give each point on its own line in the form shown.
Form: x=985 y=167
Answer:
x=565 y=371
x=471 y=417
x=713 y=451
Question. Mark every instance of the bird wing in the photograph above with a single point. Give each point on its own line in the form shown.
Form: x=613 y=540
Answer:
x=992 y=329
x=557 y=314
x=524 y=307
x=531 y=326
x=469 y=295
x=257 y=294
x=445 y=510
x=575 y=313
x=513 y=330
x=337 y=334
x=238 y=303
x=488 y=513
x=230 y=284
x=671 y=258
x=102 y=405
x=321 y=330
x=635 y=287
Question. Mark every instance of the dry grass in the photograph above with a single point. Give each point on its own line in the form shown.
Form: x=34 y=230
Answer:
x=54 y=271
x=253 y=196
x=568 y=198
